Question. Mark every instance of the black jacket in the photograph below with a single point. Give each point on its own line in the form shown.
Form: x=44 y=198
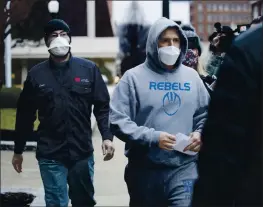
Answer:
x=230 y=161
x=208 y=80
x=63 y=95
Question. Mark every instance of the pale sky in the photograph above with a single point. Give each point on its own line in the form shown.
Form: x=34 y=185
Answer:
x=153 y=10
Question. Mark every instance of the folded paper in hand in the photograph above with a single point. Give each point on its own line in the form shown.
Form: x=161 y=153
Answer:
x=182 y=141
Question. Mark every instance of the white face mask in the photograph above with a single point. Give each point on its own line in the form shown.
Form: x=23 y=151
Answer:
x=59 y=46
x=169 y=55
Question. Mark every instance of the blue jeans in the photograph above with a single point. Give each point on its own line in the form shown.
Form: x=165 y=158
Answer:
x=160 y=186
x=78 y=176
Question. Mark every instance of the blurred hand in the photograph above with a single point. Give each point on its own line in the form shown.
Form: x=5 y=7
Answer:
x=108 y=150
x=17 y=162
x=166 y=141
x=195 y=145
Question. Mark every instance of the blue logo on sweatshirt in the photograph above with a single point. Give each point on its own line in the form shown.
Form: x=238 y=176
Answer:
x=171 y=103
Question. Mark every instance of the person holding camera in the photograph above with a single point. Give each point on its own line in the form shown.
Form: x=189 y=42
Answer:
x=220 y=43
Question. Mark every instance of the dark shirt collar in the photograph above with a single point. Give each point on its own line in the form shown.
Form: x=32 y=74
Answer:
x=59 y=65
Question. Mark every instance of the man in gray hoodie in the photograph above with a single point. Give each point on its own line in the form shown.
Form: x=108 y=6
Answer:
x=150 y=105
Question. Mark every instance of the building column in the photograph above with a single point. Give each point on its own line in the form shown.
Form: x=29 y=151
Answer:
x=23 y=74
x=8 y=55
x=91 y=19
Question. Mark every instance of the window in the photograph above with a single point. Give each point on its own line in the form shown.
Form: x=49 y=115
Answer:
x=200 y=7
x=233 y=7
x=239 y=18
x=242 y=19
x=215 y=18
x=200 y=17
x=209 y=29
x=238 y=7
x=221 y=17
x=236 y=17
x=233 y=18
x=214 y=7
x=255 y=11
x=220 y=7
x=245 y=7
x=228 y=18
x=226 y=7
x=208 y=7
x=201 y=37
x=246 y=19
x=200 y=28
x=209 y=18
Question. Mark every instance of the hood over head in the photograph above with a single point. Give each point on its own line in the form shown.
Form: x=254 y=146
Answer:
x=152 y=58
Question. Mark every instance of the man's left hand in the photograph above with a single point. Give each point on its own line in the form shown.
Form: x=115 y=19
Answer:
x=195 y=145
x=108 y=150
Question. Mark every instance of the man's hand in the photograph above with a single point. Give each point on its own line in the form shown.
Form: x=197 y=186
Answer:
x=195 y=138
x=166 y=141
x=17 y=162
x=108 y=150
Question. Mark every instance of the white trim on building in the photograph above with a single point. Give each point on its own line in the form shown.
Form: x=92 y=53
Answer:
x=99 y=47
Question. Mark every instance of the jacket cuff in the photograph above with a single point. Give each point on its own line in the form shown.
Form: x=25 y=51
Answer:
x=155 y=138
x=199 y=130
x=18 y=151
x=107 y=137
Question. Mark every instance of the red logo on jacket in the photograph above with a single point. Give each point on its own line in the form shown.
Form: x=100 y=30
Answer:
x=77 y=79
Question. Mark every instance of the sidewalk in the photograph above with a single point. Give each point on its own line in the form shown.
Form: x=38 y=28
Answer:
x=110 y=187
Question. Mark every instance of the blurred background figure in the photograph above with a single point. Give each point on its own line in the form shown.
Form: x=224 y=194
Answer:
x=192 y=57
x=193 y=39
x=220 y=42
x=132 y=35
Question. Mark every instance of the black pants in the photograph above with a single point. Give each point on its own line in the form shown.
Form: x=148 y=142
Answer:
x=79 y=177
x=160 y=186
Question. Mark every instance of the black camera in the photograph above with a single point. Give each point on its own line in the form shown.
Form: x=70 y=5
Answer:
x=221 y=39
x=242 y=28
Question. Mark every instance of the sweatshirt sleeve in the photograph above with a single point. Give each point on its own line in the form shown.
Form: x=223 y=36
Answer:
x=25 y=116
x=101 y=105
x=123 y=112
x=200 y=115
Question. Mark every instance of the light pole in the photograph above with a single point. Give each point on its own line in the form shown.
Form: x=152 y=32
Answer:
x=8 y=55
x=166 y=9
x=53 y=8
x=91 y=18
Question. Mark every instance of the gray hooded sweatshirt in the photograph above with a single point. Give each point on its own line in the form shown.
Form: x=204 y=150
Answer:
x=150 y=99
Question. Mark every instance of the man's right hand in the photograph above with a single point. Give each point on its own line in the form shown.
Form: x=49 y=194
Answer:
x=17 y=162
x=166 y=141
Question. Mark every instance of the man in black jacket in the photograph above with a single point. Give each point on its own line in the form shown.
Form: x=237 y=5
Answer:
x=230 y=160
x=63 y=90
